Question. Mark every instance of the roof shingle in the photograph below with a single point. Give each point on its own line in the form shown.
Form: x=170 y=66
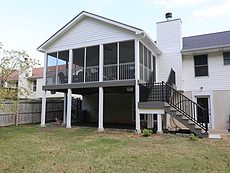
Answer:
x=206 y=40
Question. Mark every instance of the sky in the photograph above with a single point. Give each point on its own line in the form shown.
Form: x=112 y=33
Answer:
x=26 y=24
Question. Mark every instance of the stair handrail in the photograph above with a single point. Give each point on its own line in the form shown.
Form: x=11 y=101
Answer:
x=172 y=77
x=162 y=91
x=151 y=78
x=171 y=97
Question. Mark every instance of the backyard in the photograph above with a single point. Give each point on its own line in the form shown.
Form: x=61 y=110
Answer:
x=30 y=148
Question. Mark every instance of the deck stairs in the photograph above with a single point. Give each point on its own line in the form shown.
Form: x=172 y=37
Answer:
x=176 y=104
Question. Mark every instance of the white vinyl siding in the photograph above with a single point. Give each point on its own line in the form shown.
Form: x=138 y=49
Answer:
x=169 y=40
x=164 y=64
x=90 y=32
x=169 y=35
x=218 y=79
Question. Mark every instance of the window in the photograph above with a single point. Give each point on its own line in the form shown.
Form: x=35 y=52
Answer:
x=201 y=65
x=226 y=58
x=34 y=85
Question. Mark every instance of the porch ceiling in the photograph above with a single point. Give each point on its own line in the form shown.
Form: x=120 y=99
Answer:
x=126 y=86
x=90 y=91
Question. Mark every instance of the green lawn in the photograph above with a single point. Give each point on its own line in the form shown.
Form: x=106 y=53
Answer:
x=30 y=148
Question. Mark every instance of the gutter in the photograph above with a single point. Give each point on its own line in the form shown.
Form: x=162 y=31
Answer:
x=154 y=45
x=206 y=49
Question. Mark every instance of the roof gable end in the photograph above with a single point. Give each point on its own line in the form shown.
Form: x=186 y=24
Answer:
x=78 y=19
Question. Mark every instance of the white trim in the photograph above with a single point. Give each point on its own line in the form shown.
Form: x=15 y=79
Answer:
x=150 y=121
x=100 y=113
x=45 y=68
x=69 y=104
x=118 y=60
x=84 y=74
x=43 y=115
x=137 y=113
x=70 y=66
x=203 y=50
x=56 y=77
x=65 y=108
x=136 y=55
x=209 y=94
x=151 y=111
x=101 y=62
x=159 y=123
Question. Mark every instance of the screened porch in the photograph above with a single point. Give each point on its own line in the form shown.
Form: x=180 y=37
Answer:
x=116 y=61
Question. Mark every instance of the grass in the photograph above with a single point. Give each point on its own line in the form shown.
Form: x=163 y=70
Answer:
x=29 y=148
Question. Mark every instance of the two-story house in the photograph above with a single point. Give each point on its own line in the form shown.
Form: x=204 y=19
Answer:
x=126 y=77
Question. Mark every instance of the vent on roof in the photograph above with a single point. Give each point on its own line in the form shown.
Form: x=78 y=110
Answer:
x=168 y=16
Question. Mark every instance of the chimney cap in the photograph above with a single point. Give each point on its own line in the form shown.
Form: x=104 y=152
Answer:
x=168 y=15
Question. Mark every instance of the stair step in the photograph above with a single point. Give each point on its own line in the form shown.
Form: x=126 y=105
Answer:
x=185 y=121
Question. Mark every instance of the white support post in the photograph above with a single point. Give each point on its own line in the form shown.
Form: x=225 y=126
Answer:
x=150 y=121
x=70 y=66
x=101 y=63
x=65 y=108
x=100 y=114
x=168 y=121
x=137 y=97
x=159 y=124
x=69 y=104
x=43 y=115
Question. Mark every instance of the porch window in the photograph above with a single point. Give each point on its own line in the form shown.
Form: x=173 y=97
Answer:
x=51 y=68
x=78 y=65
x=110 y=62
x=85 y=64
x=34 y=85
x=57 y=67
x=92 y=63
x=145 y=62
x=126 y=60
x=62 y=65
x=201 y=65
x=226 y=56
x=119 y=61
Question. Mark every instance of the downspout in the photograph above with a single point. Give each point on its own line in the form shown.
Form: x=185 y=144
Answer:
x=142 y=32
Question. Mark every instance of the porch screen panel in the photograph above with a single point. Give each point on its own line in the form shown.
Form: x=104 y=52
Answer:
x=148 y=64
x=110 y=62
x=63 y=61
x=145 y=63
x=126 y=60
x=51 y=68
x=92 y=64
x=141 y=51
x=78 y=65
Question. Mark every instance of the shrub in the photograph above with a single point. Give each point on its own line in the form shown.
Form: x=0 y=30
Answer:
x=147 y=132
x=194 y=137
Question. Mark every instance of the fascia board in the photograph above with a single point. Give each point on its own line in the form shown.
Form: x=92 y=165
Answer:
x=206 y=49
x=116 y=23
x=79 y=18
x=153 y=44
x=60 y=32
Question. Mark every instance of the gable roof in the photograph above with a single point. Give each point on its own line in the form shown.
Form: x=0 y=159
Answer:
x=78 y=18
x=213 y=40
x=36 y=73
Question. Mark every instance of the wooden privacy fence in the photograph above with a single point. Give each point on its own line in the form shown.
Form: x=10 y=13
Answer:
x=30 y=112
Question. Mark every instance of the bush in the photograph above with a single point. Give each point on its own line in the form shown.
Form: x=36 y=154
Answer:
x=194 y=137
x=147 y=132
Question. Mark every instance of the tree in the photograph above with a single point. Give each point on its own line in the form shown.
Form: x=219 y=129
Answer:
x=14 y=64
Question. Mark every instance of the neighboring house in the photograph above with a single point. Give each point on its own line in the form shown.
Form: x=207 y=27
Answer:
x=118 y=70
x=34 y=83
